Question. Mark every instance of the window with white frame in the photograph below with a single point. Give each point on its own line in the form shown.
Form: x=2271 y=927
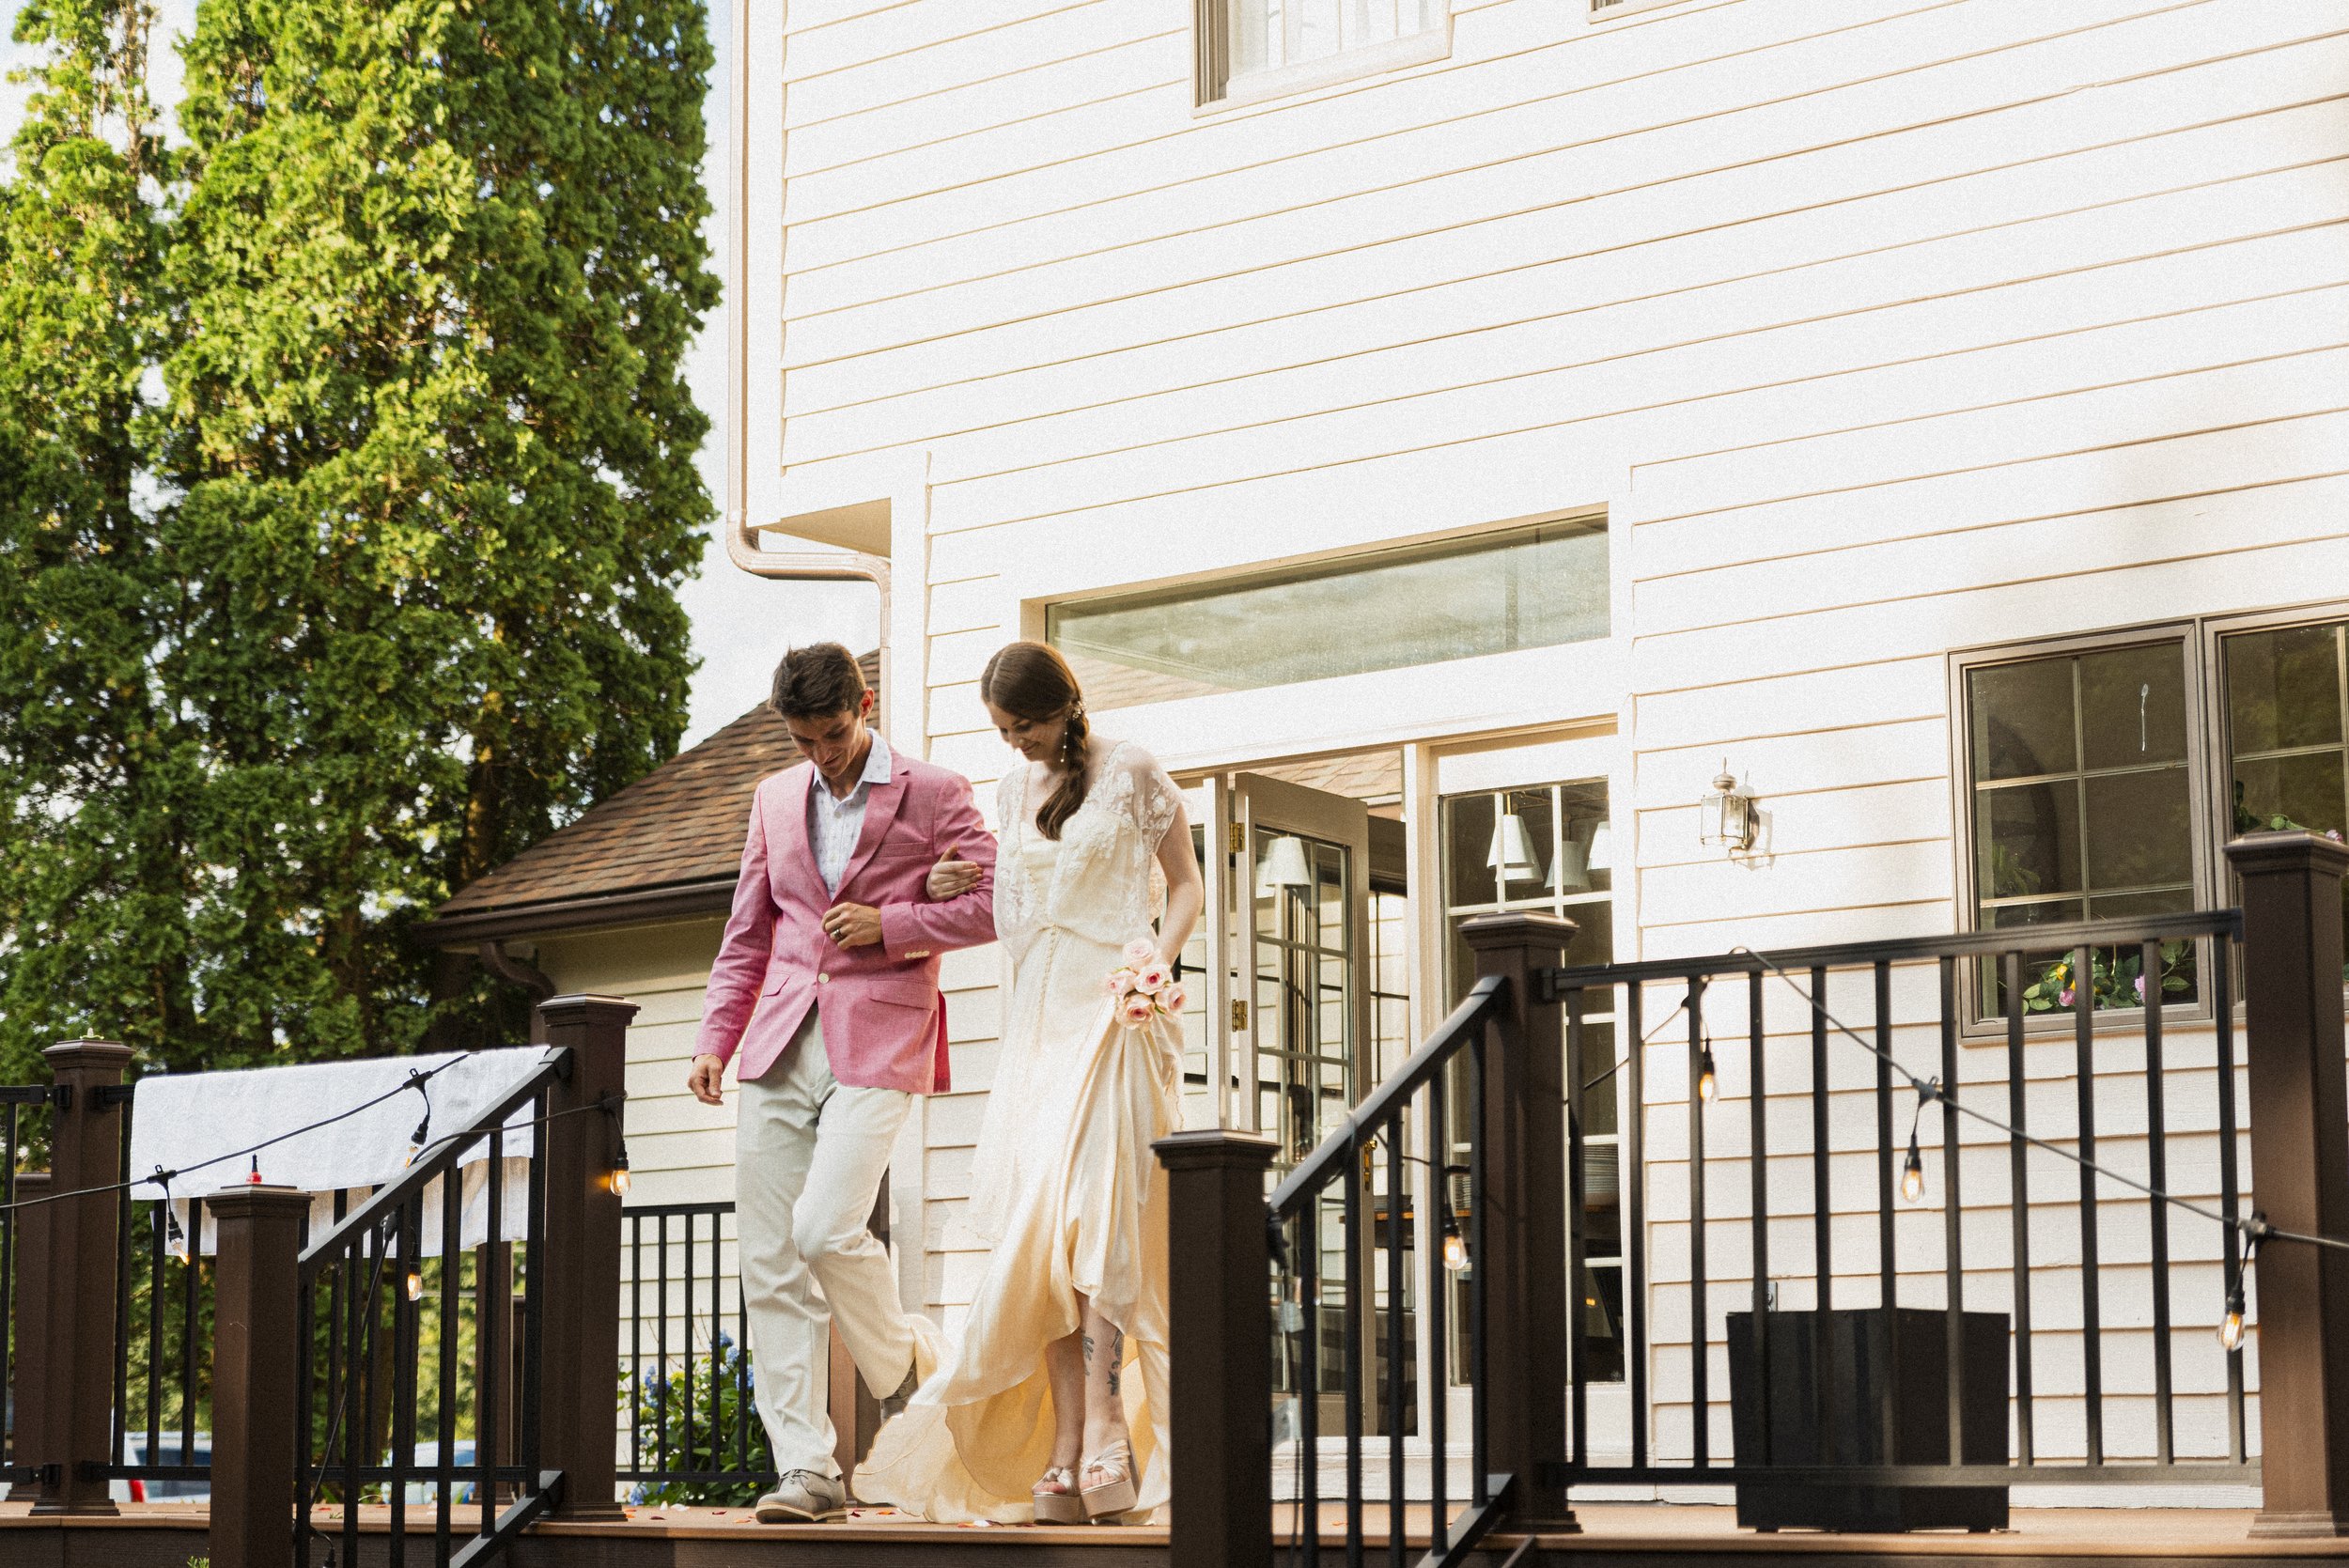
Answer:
x=1246 y=43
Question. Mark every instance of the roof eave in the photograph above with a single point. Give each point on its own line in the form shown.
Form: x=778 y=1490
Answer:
x=633 y=906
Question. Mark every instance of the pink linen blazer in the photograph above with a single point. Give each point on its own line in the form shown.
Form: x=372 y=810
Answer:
x=884 y=1023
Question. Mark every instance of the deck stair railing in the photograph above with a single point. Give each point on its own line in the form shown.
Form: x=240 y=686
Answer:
x=2067 y=1136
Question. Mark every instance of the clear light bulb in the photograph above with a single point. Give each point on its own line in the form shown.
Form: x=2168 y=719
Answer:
x=175 y=1239
x=620 y=1182
x=1913 y=1174
x=2230 y=1329
x=1455 y=1252
x=415 y=1284
x=1708 y=1085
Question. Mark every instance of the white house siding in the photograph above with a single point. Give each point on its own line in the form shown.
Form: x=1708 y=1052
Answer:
x=1930 y=323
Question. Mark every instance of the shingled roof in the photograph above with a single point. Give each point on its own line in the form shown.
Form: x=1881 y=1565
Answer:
x=668 y=844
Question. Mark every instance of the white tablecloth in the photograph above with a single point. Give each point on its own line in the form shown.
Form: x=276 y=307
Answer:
x=180 y=1120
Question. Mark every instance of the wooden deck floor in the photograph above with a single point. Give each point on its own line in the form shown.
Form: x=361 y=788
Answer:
x=1618 y=1535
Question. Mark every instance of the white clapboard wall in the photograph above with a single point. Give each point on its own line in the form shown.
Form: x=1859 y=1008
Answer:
x=1931 y=322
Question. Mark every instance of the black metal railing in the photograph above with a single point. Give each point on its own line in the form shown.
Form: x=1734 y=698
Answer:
x=693 y=1432
x=1329 y=1190
x=163 y=1347
x=422 y=1375
x=1823 y=1027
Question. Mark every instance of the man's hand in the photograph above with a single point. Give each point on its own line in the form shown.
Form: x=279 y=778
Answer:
x=707 y=1076
x=853 y=924
x=952 y=876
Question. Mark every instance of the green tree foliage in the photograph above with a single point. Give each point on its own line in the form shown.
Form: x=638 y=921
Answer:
x=399 y=596
x=97 y=888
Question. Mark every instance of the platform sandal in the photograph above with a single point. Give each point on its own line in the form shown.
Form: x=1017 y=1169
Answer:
x=1114 y=1497
x=1057 y=1502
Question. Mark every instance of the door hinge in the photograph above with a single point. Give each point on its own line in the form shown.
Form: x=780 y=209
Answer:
x=1239 y=1016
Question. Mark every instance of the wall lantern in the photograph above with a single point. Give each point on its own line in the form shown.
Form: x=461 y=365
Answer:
x=1284 y=867
x=1726 y=820
x=1512 y=853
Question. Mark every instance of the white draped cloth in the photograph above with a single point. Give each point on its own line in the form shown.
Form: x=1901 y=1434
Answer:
x=182 y=1120
x=1063 y=1182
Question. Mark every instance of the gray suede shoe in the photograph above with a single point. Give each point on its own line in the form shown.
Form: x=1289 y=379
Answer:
x=804 y=1498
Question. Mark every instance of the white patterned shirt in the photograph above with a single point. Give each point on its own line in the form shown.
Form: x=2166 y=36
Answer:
x=834 y=826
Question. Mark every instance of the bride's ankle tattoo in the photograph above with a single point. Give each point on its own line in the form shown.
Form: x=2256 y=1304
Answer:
x=1117 y=1356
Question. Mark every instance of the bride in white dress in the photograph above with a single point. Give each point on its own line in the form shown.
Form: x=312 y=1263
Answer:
x=1039 y=1414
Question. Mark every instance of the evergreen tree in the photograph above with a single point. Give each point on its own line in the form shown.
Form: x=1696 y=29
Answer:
x=382 y=589
x=439 y=264
x=96 y=765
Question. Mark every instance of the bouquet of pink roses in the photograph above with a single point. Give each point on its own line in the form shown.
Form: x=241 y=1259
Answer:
x=1144 y=988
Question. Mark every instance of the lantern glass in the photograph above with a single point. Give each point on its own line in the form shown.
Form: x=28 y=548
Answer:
x=1727 y=814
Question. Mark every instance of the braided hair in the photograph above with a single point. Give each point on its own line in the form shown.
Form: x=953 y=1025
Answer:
x=1032 y=681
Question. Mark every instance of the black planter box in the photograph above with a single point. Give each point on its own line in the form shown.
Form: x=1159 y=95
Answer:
x=1868 y=1386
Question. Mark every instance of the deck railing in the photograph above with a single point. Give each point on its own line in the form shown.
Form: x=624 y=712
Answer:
x=1824 y=1213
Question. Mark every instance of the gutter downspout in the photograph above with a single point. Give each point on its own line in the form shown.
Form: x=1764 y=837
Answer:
x=813 y=565
x=742 y=547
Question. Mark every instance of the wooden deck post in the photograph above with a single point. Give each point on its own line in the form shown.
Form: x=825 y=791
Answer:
x=580 y=1271
x=257 y=1326
x=77 y=1240
x=2298 y=1113
x=1526 y=1290
x=1219 y=1357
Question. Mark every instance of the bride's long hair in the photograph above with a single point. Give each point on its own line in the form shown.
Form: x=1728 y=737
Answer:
x=1032 y=681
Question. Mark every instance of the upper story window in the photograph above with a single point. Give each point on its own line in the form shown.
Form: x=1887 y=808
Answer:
x=1493 y=593
x=1252 y=49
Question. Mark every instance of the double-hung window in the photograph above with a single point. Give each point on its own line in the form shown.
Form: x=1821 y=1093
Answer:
x=2284 y=726
x=2083 y=794
x=2081 y=802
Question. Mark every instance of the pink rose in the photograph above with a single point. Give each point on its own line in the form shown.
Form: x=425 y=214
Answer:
x=1152 y=978
x=2140 y=989
x=1118 y=983
x=1141 y=950
x=1136 y=1011
x=2065 y=1000
x=1172 y=997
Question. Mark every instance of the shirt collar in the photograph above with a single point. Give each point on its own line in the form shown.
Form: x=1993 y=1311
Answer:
x=877 y=770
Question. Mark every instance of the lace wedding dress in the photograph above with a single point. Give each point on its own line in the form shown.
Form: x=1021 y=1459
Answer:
x=1063 y=1183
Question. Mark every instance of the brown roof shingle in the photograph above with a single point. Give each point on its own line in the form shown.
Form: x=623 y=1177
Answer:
x=679 y=827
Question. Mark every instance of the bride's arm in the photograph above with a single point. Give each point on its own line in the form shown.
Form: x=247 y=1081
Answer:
x=1186 y=892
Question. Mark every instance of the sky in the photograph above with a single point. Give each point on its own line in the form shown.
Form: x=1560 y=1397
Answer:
x=741 y=624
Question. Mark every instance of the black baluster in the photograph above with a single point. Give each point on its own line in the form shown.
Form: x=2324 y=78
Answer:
x=1699 y=1369
x=1479 y=1433
x=685 y=1322
x=1822 y=1203
x=1578 y=1241
x=635 y=1345
x=1888 y=1258
x=188 y=1333
x=406 y=1349
x=492 y=1317
x=1441 y=1219
x=1351 y=1383
x=1309 y=1392
x=1632 y=1173
x=2157 y=1176
x=533 y=1306
x=1396 y=1202
x=1953 y=1214
x=660 y=1350
x=444 y=1423
x=1758 y=1167
x=156 y=1275
x=2230 y=1191
x=2019 y=1177
x=2091 y=1316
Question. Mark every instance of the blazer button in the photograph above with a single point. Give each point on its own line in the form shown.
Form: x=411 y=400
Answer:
x=822 y=978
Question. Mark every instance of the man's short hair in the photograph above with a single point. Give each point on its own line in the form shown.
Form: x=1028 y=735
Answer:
x=818 y=681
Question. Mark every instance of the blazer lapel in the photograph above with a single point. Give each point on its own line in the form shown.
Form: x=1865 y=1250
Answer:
x=794 y=826
x=880 y=810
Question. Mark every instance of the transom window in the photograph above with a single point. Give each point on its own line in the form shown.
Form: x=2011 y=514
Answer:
x=1493 y=593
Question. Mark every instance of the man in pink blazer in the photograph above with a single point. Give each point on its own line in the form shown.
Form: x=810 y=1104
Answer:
x=825 y=992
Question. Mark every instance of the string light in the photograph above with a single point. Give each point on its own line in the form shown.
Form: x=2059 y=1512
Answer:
x=175 y=1239
x=2230 y=1326
x=1455 y=1256
x=416 y=1283
x=1708 y=1084
x=619 y=1173
x=423 y=1135
x=1913 y=1167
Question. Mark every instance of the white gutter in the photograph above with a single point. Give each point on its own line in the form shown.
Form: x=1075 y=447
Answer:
x=813 y=566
